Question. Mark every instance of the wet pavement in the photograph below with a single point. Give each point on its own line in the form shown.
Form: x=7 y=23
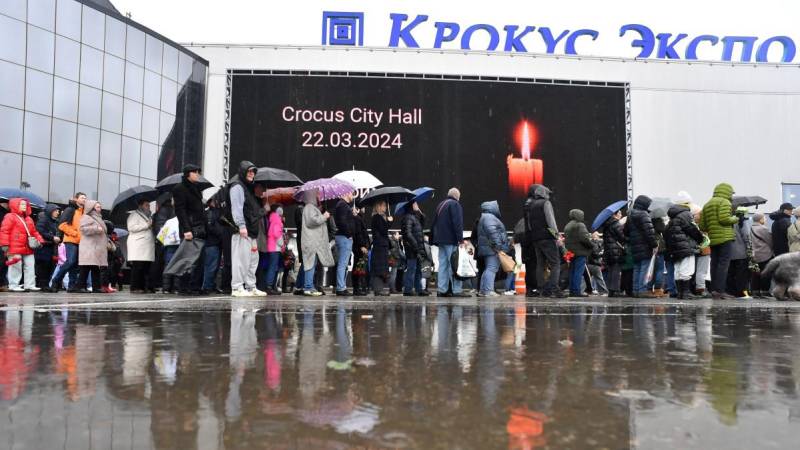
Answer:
x=88 y=371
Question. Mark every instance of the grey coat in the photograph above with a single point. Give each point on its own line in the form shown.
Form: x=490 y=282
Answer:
x=742 y=241
x=761 y=237
x=314 y=232
x=93 y=250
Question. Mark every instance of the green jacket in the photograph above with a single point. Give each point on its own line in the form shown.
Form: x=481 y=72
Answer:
x=717 y=219
x=576 y=237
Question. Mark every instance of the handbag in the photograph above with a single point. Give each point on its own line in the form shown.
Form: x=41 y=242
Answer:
x=507 y=263
x=33 y=243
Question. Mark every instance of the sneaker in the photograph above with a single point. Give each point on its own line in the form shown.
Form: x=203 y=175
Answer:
x=271 y=291
x=34 y=289
x=444 y=294
x=299 y=292
x=465 y=295
x=344 y=293
x=510 y=293
x=255 y=292
x=16 y=289
x=241 y=292
x=556 y=294
x=312 y=293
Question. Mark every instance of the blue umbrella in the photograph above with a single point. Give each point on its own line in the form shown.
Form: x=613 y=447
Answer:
x=9 y=193
x=420 y=195
x=609 y=211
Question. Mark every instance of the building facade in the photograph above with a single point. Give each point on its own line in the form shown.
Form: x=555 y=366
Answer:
x=92 y=101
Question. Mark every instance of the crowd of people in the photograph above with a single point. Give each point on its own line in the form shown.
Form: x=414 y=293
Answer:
x=244 y=248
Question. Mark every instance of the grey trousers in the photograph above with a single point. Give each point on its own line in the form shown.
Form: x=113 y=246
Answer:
x=244 y=262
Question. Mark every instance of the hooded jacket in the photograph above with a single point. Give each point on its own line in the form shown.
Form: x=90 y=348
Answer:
x=741 y=240
x=613 y=242
x=48 y=228
x=246 y=210
x=93 y=250
x=69 y=223
x=12 y=230
x=492 y=236
x=640 y=231
x=682 y=235
x=718 y=219
x=540 y=220
x=576 y=236
x=761 y=238
x=411 y=230
x=315 y=246
x=780 y=232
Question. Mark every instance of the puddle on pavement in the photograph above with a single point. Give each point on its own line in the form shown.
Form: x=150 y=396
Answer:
x=410 y=376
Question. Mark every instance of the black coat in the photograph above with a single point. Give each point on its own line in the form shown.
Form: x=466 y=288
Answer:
x=780 y=232
x=379 y=262
x=48 y=228
x=613 y=242
x=360 y=236
x=411 y=231
x=639 y=230
x=189 y=208
x=344 y=219
x=682 y=236
x=214 y=228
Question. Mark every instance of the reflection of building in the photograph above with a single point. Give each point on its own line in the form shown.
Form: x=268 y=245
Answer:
x=92 y=101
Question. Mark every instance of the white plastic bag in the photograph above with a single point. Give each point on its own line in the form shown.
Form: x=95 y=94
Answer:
x=169 y=234
x=467 y=268
x=651 y=269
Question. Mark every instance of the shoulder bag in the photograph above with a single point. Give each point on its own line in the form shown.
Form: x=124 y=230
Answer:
x=33 y=243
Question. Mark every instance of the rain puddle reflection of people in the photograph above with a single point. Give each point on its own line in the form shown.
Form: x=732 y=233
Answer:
x=525 y=429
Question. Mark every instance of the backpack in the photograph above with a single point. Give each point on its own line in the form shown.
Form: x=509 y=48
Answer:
x=223 y=199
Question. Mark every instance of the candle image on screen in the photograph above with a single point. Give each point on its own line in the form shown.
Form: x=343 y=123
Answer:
x=524 y=171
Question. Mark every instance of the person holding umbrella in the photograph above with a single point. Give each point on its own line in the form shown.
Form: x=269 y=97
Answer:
x=411 y=230
x=379 y=261
x=247 y=213
x=643 y=243
x=141 y=246
x=614 y=252
x=315 y=247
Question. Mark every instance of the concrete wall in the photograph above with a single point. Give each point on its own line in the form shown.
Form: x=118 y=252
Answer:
x=694 y=124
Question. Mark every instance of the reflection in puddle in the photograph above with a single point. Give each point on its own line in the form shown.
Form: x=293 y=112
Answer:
x=407 y=376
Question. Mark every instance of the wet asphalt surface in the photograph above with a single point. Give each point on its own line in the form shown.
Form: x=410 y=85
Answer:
x=121 y=371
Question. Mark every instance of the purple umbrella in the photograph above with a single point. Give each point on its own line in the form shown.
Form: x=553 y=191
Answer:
x=329 y=188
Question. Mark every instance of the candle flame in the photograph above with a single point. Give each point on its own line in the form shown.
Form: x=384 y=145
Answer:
x=526 y=142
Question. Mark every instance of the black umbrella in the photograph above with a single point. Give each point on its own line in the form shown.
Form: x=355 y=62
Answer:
x=169 y=182
x=272 y=178
x=389 y=194
x=659 y=207
x=747 y=200
x=128 y=200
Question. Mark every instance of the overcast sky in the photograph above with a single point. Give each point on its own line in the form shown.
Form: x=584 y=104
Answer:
x=299 y=22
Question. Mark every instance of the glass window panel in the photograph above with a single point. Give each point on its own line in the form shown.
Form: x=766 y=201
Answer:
x=184 y=68
x=12 y=165
x=108 y=188
x=110 y=145
x=115 y=37
x=132 y=119
x=88 y=146
x=62 y=181
x=41 y=45
x=36 y=171
x=12 y=85
x=127 y=182
x=114 y=74
x=36 y=135
x=129 y=162
x=68 y=58
x=149 y=160
x=13 y=8
x=150 y=125
x=12 y=37
x=134 y=81
x=91 y=67
x=153 y=54
x=86 y=181
x=11 y=129
x=39 y=92
x=134 y=46
x=152 y=89
x=170 y=62
x=68 y=19
x=89 y=106
x=65 y=137
x=93 y=29
x=169 y=95
x=165 y=127
x=42 y=13
x=65 y=99
x=112 y=112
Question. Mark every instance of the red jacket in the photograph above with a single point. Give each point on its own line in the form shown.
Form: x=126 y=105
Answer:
x=12 y=232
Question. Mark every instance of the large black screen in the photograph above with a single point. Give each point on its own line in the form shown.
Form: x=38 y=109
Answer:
x=491 y=139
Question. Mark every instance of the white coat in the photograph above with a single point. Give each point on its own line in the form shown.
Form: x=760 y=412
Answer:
x=141 y=242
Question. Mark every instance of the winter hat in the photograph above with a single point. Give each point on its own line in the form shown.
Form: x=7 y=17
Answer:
x=190 y=168
x=758 y=217
x=786 y=206
x=683 y=198
x=279 y=211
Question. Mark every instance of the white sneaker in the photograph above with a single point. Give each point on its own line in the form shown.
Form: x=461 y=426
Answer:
x=34 y=289
x=510 y=293
x=255 y=292
x=312 y=293
x=241 y=292
x=16 y=289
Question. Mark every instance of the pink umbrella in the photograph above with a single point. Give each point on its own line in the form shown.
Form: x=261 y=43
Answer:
x=329 y=188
